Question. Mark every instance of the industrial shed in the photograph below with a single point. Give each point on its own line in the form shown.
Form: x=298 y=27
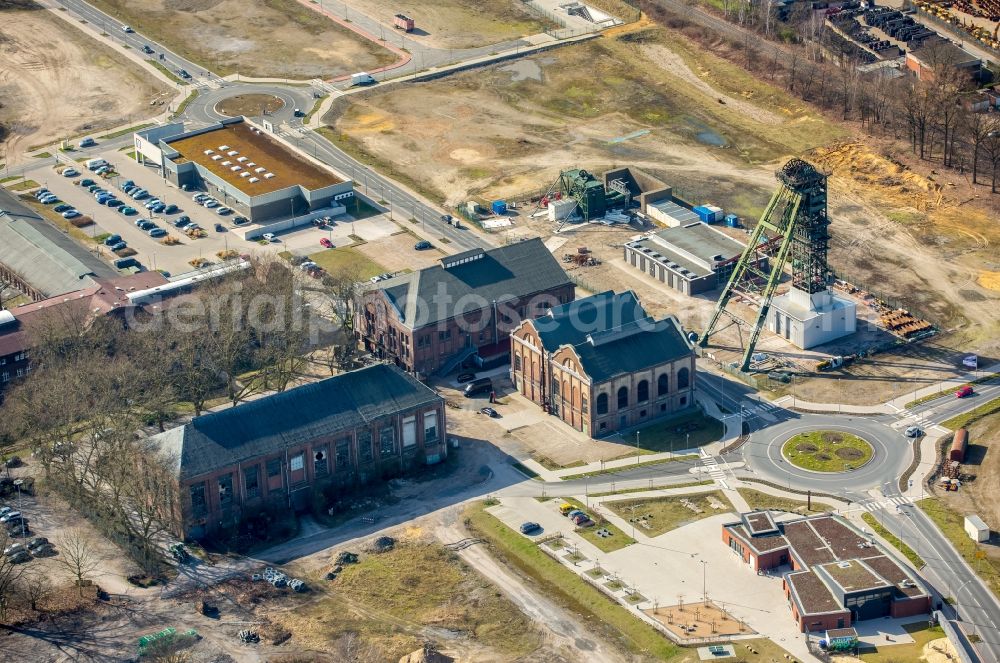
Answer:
x=38 y=259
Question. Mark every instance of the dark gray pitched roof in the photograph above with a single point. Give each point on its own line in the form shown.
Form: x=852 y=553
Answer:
x=570 y=323
x=612 y=334
x=50 y=261
x=272 y=423
x=477 y=277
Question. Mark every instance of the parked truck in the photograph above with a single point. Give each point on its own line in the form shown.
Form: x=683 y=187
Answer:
x=362 y=78
x=402 y=22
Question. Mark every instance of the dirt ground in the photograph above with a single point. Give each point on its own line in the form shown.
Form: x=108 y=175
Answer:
x=251 y=105
x=263 y=38
x=646 y=97
x=979 y=496
x=57 y=82
x=454 y=23
x=703 y=620
x=396 y=252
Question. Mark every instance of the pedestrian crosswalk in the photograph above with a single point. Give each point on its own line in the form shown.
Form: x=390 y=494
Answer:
x=713 y=468
x=889 y=503
x=906 y=418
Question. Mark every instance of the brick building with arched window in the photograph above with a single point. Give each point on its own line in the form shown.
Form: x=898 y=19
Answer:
x=601 y=364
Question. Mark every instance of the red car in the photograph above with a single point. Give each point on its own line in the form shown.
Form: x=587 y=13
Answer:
x=325 y=243
x=964 y=391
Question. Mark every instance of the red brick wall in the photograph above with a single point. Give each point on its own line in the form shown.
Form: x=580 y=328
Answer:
x=910 y=607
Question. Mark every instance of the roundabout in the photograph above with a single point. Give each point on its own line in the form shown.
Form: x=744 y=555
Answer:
x=827 y=451
x=250 y=105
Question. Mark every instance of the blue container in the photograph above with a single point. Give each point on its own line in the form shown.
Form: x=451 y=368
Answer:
x=706 y=215
x=732 y=221
x=499 y=207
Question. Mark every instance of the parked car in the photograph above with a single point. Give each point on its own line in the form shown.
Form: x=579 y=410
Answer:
x=480 y=386
x=574 y=512
x=62 y=208
x=71 y=214
x=223 y=211
x=182 y=221
x=171 y=209
x=20 y=557
x=141 y=194
x=71 y=172
x=103 y=169
x=144 y=224
x=4 y=510
x=489 y=412
x=88 y=142
x=198 y=197
x=14 y=548
x=48 y=199
x=10 y=515
x=128 y=183
x=219 y=228
x=37 y=542
x=41 y=192
x=529 y=527
x=466 y=377
x=308 y=265
x=112 y=239
x=127 y=211
x=240 y=220
x=157 y=208
x=325 y=243
x=423 y=245
x=129 y=188
x=209 y=203
x=118 y=246
x=114 y=202
x=157 y=232
x=269 y=237
x=579 y=518
x=965 y=391
x=86 y=181
x=152 y=201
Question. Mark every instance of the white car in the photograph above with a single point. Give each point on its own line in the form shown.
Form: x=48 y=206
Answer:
x=128 y=29
x=913 y=431
x=269 y=237
x=210 y=203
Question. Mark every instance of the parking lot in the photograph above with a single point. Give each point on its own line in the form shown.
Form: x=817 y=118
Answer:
x=176 y=259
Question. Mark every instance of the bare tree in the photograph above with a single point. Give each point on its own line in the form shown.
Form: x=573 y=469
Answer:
x=34 y=586
x=10 y=576
x=78 y=556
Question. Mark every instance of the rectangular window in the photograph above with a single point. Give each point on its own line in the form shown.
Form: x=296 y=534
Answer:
x=226 y=490
x=6 y=376
x=444 y=335
x=251 y=481
x=296 y=463
x=198 y=506
x=365 y=446
x=387 y=441
x=517 y=362
x=430 y=427
x=409 y=431
x=320 y=464
x=20 y=372
x=274 y=467
x=583 y=405
x=555 y=386
x=343 y=453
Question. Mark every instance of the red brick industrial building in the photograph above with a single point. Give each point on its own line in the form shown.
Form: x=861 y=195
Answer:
x=433 y=320
x=838 y=576
x=276 y=451
x=602 y=364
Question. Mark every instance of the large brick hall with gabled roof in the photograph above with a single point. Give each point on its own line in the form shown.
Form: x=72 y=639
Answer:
x=838 y=575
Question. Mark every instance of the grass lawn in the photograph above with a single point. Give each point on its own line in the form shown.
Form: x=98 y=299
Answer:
x=526 y=471
x=827 y=451
x=663 y=514
x=346 y=259
x=626 y=468
x=921 y=634
x=24 y=186
x=608 y=619
x=550 y=464
x=951 y=392
x=126 y=130
x=879 y=529
x=952 y=526
x=388 y=599
x=759 y=500
x=626 y=491
x=686 y=431
x=616 y=541
x=984 y=410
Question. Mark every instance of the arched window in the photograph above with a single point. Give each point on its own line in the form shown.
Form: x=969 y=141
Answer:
x=683 y=378
x=642 y=391
x=662 y=385
x=623 y=398
x=602 y=403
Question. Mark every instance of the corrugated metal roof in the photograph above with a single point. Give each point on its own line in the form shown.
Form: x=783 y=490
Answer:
x=321 y=409
x=42 y=255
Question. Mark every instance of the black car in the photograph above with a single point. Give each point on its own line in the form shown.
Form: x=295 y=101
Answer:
x=466 y=377
x=219 y=228
x=146 y=49
x=240 y=220
x=489 y=412
x=183 y=74
x=530 y=528
x=423 y=245
x=112 y=240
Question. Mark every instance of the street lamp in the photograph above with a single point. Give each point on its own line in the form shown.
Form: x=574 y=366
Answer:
x=704 y=580
x=637 y=447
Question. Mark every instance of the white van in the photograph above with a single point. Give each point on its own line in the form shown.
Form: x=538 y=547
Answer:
x=94 y=164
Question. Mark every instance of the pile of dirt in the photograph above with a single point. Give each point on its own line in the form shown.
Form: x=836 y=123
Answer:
x=346 y=558
x=426 y=654
x=382 y=544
